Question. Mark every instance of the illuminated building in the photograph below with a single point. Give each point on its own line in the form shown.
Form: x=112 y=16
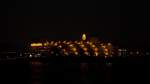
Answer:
x=84 y=46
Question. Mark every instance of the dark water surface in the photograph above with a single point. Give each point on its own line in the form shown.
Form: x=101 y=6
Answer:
x=27 y=71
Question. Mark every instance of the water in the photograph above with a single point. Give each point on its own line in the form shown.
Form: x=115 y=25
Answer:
x=53 y=71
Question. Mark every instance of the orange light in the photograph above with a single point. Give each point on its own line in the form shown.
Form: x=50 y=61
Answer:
x=36 y=44
x=52 y=42
x=95 y=49
x=82 y=45
x=71 y=45
x=68 y=43
x=106 y=53
x=106 y=50
x=59 y=42
x=74 y=49
x=56 y=44
x=86 y=53
x=85 y=49
x=104 y=46
x=66 y=53
x=64 y=50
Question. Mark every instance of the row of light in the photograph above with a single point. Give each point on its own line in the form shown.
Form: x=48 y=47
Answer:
x=73 y=48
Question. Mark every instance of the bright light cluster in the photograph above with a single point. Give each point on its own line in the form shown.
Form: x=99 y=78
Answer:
x=86 y=48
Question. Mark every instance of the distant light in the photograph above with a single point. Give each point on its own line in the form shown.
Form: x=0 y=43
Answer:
x=95 y=49
x=46 y=44
x=103 y=46
x=84 y=37
x=59 y=42
x=75 y=42
x=66 y=53
x=119 y=50
x=74 y=49
x=96 y=53
x=36 y=44
x=106 y=53
x=68 y=43
x=90 y=43
x=137 y=52
x=60 y=46
x=106 y=50
x=30 y=55
x=109 y=44
x=71 y=45
x=76 y=53
x=56 y=44
x=86 y=53
x=52 y=42
x=87 y=42
x=64 y=42
x=85 y=49
x=93 y=46
x=82 y=45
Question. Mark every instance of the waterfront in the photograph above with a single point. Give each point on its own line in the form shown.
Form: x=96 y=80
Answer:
x=40 y=71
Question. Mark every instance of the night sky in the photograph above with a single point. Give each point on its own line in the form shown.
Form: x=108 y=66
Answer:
x=114 y=21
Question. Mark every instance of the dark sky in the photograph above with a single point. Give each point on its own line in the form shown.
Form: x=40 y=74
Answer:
x=110 y=20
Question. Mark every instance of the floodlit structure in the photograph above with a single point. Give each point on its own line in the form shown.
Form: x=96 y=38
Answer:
x=77 y=47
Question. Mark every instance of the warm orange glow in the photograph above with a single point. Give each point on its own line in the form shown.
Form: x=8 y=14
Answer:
x=68 y=43
x=64 y=50
x=52 y=42
x=86 y=53
x=71 y=45
x=95 y=49
x=106 y=53
x=82 y=45
x=56 y=44
x=84 y=37
x=36 y=44
x=66 y=53
x=74 y=49
x=104 y=46
x=106 y=50
x=59 y=41
x=85 y=49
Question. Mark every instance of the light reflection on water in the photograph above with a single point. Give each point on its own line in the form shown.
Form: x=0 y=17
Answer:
x=75 y=72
